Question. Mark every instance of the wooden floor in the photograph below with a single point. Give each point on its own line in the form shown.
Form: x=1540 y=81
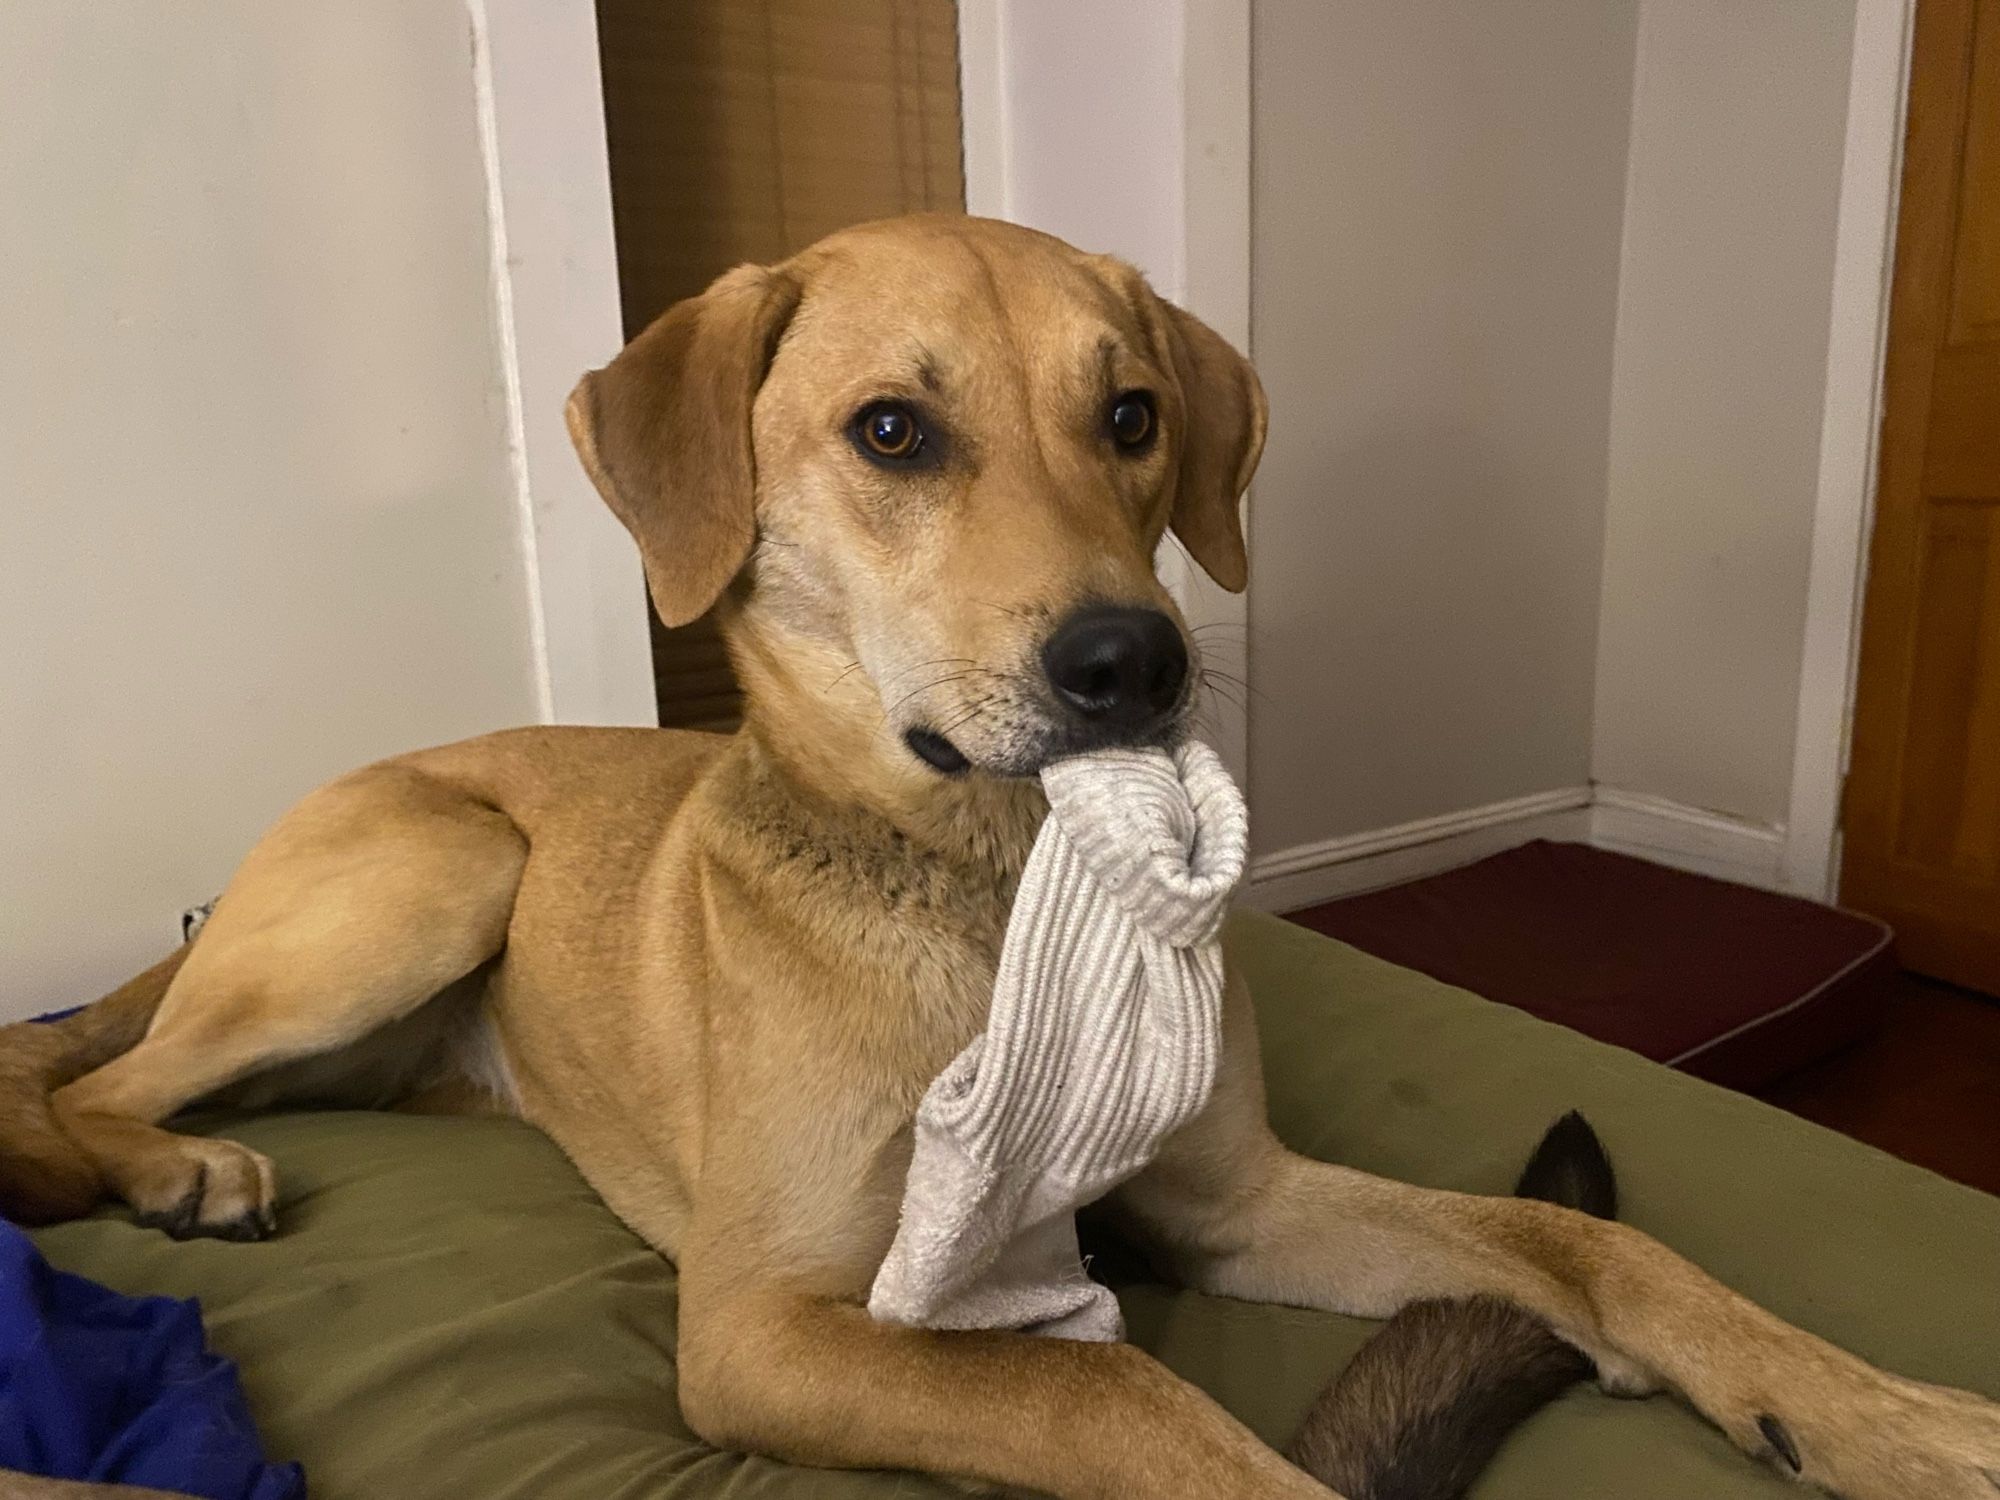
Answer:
x=1925 y=1088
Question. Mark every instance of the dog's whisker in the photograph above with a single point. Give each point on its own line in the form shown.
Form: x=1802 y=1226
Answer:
x=846 y=672
x=1019 y=614
x=1214 y=678
x=900 y=673
x=967 y=717
x=939 y=682
x=960 y=669
x=1227 y=697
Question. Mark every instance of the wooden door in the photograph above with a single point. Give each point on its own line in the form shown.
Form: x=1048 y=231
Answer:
x=1922 y=846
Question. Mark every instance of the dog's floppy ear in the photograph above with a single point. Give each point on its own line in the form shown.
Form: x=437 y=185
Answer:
x=664 y=432
x=1223 y=420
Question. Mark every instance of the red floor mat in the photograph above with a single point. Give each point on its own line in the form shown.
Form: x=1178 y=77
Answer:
x=1732 y=984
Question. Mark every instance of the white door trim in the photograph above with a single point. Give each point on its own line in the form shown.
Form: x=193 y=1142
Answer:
x=1184 y=127
x=1850 y=427
x=555 y=292
x=1687 y=838
x=982 y=105
x=1215 y=271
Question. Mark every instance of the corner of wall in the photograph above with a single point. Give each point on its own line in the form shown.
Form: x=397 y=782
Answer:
x=1599 y=652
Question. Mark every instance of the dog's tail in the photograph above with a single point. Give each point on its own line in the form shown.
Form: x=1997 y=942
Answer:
x=44 y=1177
x=1429 y=1399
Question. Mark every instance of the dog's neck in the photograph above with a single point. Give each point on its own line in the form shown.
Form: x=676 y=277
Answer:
x=818 y=724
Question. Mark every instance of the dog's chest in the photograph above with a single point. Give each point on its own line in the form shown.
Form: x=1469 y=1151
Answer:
x=908 y=948
x=893 y=938
x=920 y=973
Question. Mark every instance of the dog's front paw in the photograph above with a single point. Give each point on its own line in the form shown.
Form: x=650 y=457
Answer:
x=195 y=1187
x=1890 y=1439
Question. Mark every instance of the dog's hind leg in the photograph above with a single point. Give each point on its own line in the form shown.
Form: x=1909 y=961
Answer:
x=364 y=901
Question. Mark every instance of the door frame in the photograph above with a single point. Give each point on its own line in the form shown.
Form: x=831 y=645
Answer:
x=554 y=270
x=1850 y=435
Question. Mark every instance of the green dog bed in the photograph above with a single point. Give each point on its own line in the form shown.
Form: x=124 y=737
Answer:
x=448 y=1313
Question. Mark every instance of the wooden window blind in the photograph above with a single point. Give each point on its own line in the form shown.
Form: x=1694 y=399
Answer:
x=742 y=130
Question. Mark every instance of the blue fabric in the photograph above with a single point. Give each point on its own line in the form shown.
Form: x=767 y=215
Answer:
x=98 y=1386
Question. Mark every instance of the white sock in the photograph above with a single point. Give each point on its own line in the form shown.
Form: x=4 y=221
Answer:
x=1102 y=1039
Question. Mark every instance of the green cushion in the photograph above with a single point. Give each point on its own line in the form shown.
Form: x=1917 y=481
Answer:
x=449 y=1312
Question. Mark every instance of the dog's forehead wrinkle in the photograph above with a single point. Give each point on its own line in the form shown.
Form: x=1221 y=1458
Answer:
x=1014 y=345
x=1056 y=343
x=1107 y=362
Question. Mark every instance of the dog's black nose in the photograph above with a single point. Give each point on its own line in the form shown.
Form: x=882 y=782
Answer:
x=1120 y=668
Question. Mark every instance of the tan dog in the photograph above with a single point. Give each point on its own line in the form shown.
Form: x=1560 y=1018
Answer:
x=924 y=465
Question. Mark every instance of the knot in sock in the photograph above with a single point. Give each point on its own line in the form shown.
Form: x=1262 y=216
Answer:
x=1102 y=1038
x=1164 y=833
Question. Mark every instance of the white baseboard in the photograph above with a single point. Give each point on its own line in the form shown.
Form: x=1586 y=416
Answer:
x=1307 y=874
x=1669 y=833
x=1688 y=838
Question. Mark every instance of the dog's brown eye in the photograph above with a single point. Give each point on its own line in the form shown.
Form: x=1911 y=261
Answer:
x=889 y=431
x=1132 y=419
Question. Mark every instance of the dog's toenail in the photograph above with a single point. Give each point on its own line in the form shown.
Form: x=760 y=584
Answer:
x=244 y=1229
x=1780 y=1441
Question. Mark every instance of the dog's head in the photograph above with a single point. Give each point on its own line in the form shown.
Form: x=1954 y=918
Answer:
x=941 y=451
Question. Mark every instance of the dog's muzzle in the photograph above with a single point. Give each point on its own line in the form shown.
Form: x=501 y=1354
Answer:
x=1117 y=672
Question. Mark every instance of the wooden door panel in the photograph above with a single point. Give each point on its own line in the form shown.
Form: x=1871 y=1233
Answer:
x=1962 y=460
x=1922 y=825
x=1976 y=269
x=1954 y=697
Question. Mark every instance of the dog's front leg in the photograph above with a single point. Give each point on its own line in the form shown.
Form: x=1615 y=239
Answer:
x=1235 y=1213
x=816 y=1381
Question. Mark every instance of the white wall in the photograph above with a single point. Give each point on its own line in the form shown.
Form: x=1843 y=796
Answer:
x=1437 y=199
x=256 y=518
x=1738 y=127
x=1072 y=124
